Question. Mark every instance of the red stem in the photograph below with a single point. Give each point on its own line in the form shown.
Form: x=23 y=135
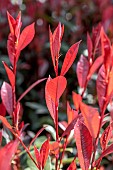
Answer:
x=64 y=147
x=27 y=150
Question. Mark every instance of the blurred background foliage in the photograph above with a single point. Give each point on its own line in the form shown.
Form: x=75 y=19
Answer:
x=78 y=17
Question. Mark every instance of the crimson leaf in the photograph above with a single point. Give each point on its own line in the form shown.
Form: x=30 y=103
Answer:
x=69 y=58
x=84 y=144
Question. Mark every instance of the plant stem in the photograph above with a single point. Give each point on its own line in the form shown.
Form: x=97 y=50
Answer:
x=64 y=147
x=57 y=136
x=27 y=150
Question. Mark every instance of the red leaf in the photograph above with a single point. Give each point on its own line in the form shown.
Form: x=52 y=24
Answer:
x=72 y=166
x=30 y=88
x=101 y=86
x=38 y=157
x=105 y=137
x=18 y=26
x=10 y=74
x=76 y=99
x=2 y=110
x=13 y=37
x=7 y=154
x=6 y=123
x=55 y=42
x=26 y=37
x=95 y=66
x=84 y=144
x=106 y=51
x=69 y=58
x=49 y=102
x=12 y=23
x=82 y=70
x=44 y=152
x=91 y=119
x=70 y=127
x=56 y=87
x=6 y=95
x=71 y=113
x=90 y=48
x=11 y=48
x=54 y=149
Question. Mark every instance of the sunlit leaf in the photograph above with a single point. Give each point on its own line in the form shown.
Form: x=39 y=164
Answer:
x=10 y=74
x=91 y=119
x=69 y=58
x=7 y=154
x=84 y=144
x=56 y=87
x=50 y=103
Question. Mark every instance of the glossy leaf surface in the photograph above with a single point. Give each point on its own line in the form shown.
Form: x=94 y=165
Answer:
x=72 y=166
x=6 y=155
x=84 y=144
x=49 y=102
x=6 y=95
x=10 y=74
x=56 y=87
x=69 y=58
x=91 y=119
x=44 y=152
x=26 y=37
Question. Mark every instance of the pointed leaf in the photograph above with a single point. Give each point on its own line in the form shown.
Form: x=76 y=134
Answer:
x=12 y=23
x=6 y=155
x=5 y=122
x=106 y=50
x=56 y=87
x=69 y=58
x=18 y=26
x=26 y=37
x=105 y=137
x=70 y=127
x=2 y=110
x=11 y=48
x=10 y=74
x=97 y=63
x=55 y=42
x=84 y=144
x=71 y=113
x=72 y=166
x=6 y=95
x=76 y=99
x=44 y=152
x=101 y=86
x=49 y=102
x=82 y=71
x=38 y=157
x=91 y=119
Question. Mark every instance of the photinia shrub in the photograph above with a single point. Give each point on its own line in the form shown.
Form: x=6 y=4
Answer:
x=85 y=123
